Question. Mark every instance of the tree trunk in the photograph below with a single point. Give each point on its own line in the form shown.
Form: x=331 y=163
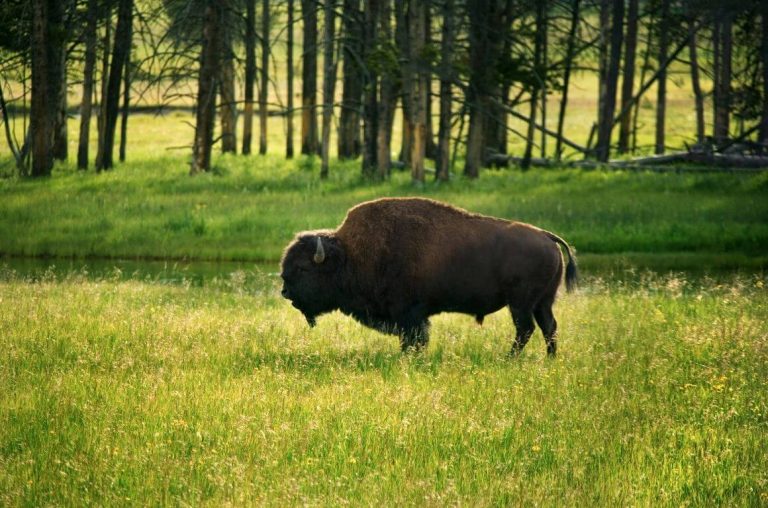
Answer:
x=58 y=81
x=419 y=84
x=696 y=84
x=722 y=96
x=446 y=74
x=228 y=101
x=628 y=78
x=568 y=64
x=537 y=69
x=483 y=51
x=349 y=122
x=206 y=87
x=86 y=103
x=117 y=65
x=250 y=69
x=329 y=82
x=41 y=119
x=385 y=115
x=289 y=103
x=309 y=141
x=126 y=106
x=371 y=11
x=264 y=81
x=101 y=121
x=661 y=87
x=543 y=76
x=610 y=73
x=763 y=136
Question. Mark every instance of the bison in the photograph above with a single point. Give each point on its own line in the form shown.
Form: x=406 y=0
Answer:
x=394 y=262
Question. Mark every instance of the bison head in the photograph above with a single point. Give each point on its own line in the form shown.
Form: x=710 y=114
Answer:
x=310 y=271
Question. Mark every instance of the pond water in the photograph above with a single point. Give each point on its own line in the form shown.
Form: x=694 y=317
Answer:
x=256 y=277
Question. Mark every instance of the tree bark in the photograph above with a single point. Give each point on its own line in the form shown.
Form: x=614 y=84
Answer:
x=289 y=102
x=610 y=73
x=88 y=70
x=349 y=121
x=250 y=70
x=763 y=136
x=126 y=106
x=385 y=115
x=40 y=115
x=419 y=84
x=101 y=120
x=117 y=65
x=309 y=141
x=206 y=88
x=537 y=68
x=628 y=78
x=264 y=81
x=696 y=84
x=371 y=11
x=58 y=81
x=446 y=96
x=228 y=101
x=329 y=82
x=661 y=87
x=483 y=53
x=723 y=53
x=568 y=64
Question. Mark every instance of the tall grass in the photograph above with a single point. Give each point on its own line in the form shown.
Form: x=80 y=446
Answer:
x=127 y=393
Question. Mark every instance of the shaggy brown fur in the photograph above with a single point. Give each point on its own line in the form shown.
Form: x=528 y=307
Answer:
x=394 y=262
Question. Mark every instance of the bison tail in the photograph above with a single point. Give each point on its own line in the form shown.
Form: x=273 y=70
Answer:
x=571 y=270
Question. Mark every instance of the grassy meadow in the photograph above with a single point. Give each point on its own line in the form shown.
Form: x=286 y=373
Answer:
x=132 y=393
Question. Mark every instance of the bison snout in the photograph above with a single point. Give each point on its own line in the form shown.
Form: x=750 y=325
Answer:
x=284 y=292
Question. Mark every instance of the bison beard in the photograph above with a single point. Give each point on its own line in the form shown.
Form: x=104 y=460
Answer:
x=395 y=262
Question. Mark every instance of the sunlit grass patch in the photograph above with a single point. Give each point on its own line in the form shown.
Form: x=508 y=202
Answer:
x=122 y=391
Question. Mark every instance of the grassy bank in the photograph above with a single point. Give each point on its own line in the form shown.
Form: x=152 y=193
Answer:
x=126 y=393
x=254 y=205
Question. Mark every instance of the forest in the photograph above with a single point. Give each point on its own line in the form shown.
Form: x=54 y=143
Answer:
x=454 y=83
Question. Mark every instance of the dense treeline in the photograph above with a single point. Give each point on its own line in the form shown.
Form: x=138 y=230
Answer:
x=457 y=71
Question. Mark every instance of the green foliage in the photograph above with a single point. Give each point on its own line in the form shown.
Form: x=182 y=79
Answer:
x=123 y=392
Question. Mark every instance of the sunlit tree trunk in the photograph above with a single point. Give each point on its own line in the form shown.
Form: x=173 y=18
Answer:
x=116 y=68
x=289 y=102
x=387 y=99
x=206 y=87
x=228 y=102
x=446 y=96
x=264 y=81
x=88 y=71
x=329 y=82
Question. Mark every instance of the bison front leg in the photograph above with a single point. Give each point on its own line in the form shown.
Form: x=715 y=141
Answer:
x=414 y=337
x=525 y=327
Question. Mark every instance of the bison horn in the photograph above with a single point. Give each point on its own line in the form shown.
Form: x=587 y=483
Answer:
x=320 y=252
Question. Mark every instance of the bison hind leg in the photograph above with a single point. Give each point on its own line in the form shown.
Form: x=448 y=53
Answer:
x=524 y=325
x=548 y=324
x=414 y=337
